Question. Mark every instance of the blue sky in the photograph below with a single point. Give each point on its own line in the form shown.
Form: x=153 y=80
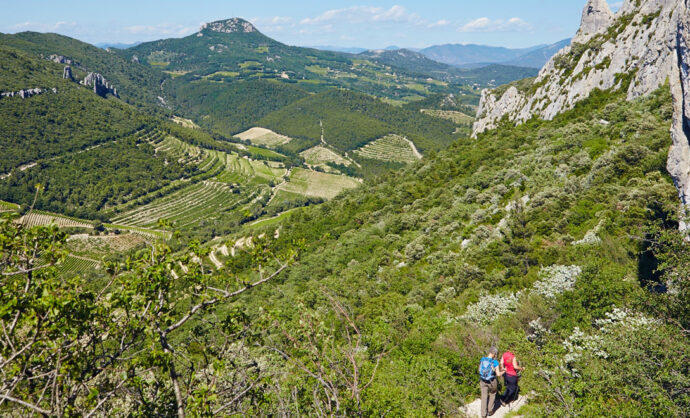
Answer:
x=365 y=23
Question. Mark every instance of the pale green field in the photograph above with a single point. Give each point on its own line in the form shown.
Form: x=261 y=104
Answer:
x=321 y=155
x=315 y=184
x=263 y=136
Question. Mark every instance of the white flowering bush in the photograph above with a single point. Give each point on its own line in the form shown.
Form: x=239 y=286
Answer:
x=607 y=331
x=491 y=306
x=556 y=279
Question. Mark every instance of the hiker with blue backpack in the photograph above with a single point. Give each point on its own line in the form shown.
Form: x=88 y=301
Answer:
x=489 y=370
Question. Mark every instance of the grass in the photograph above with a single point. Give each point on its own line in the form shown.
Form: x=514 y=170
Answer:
x=264 y=152
x=8 y=207
x=275 y=220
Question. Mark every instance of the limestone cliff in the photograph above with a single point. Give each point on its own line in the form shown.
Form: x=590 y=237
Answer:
x=100 y=85
x=640 y=48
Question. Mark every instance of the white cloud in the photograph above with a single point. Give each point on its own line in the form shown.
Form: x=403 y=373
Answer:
x=484 y=24
x=364 y=14
x=161 y=29
x=44 y=27
x=439 y=24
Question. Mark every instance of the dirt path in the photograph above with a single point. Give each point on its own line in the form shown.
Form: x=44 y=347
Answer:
x=275 y=189
x=414 y=149
x=214 y=260
x=472 y=409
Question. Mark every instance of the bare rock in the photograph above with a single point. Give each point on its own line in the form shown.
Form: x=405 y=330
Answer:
x=596 y=16
x=67 y=73
x=234 y=25
x=100 y=85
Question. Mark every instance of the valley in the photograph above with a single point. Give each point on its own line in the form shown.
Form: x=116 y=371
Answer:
x=223 y=224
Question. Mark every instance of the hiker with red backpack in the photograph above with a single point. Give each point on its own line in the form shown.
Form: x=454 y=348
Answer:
x=489 y=370
x=511 y=367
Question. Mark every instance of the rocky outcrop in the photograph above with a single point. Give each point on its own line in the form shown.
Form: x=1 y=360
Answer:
x=639 y=42
x=26 y=93
x=639 y=49
x=67 y=73
x=678 y=163
x=234 y=25
x=596 y=16
x=100 y=85
x=60 y=59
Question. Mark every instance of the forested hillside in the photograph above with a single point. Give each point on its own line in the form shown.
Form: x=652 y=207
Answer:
x=530 y=237
x=138 y=84
x=350 y=120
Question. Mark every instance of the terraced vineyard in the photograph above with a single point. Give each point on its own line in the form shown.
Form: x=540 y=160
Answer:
x=37 y=218
x=76 y=265
x=241 y=170
x=184 y=207
x=262 y=136
x=390 y=148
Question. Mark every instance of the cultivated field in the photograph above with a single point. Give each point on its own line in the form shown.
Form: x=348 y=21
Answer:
x=187 y=123
x=76 y=265
x=262 y=136
x=315 y=184
x=390 y=148
x=458 y=118
x=184 y=207
x=37 y=218
x=321 y=155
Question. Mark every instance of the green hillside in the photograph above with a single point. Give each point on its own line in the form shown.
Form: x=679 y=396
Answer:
x=52 y=124
x=350 y=120
x=527 y=237
x=235 y=107
x=137 y=84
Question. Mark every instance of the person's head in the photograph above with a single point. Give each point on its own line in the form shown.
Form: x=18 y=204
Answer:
x=493 y=352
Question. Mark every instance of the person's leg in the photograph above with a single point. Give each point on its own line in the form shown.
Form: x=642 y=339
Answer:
x=484 y=389
x=493 y=388
x=511 y=389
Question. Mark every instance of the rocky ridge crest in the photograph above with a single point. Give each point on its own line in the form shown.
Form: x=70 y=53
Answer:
x=234 y=25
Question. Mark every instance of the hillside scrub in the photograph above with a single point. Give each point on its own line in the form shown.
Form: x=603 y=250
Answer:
x=409 y=257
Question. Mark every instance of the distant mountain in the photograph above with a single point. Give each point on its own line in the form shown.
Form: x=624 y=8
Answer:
x=473 y=55
x=105 y=45
x=539 y=57
x=345 y=49
x=416 y=62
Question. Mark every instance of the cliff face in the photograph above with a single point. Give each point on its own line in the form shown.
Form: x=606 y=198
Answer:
x=642 y=46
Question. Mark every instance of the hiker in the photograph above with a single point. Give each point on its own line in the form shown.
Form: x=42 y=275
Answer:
x=488 y=372
x=511 y=367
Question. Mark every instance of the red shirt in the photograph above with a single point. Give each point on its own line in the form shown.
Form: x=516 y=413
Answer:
x=508 y=358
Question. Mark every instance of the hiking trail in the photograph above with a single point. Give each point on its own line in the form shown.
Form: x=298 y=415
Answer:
x=472 y=408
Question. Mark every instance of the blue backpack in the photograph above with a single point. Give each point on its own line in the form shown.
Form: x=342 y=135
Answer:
x=486 y=369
